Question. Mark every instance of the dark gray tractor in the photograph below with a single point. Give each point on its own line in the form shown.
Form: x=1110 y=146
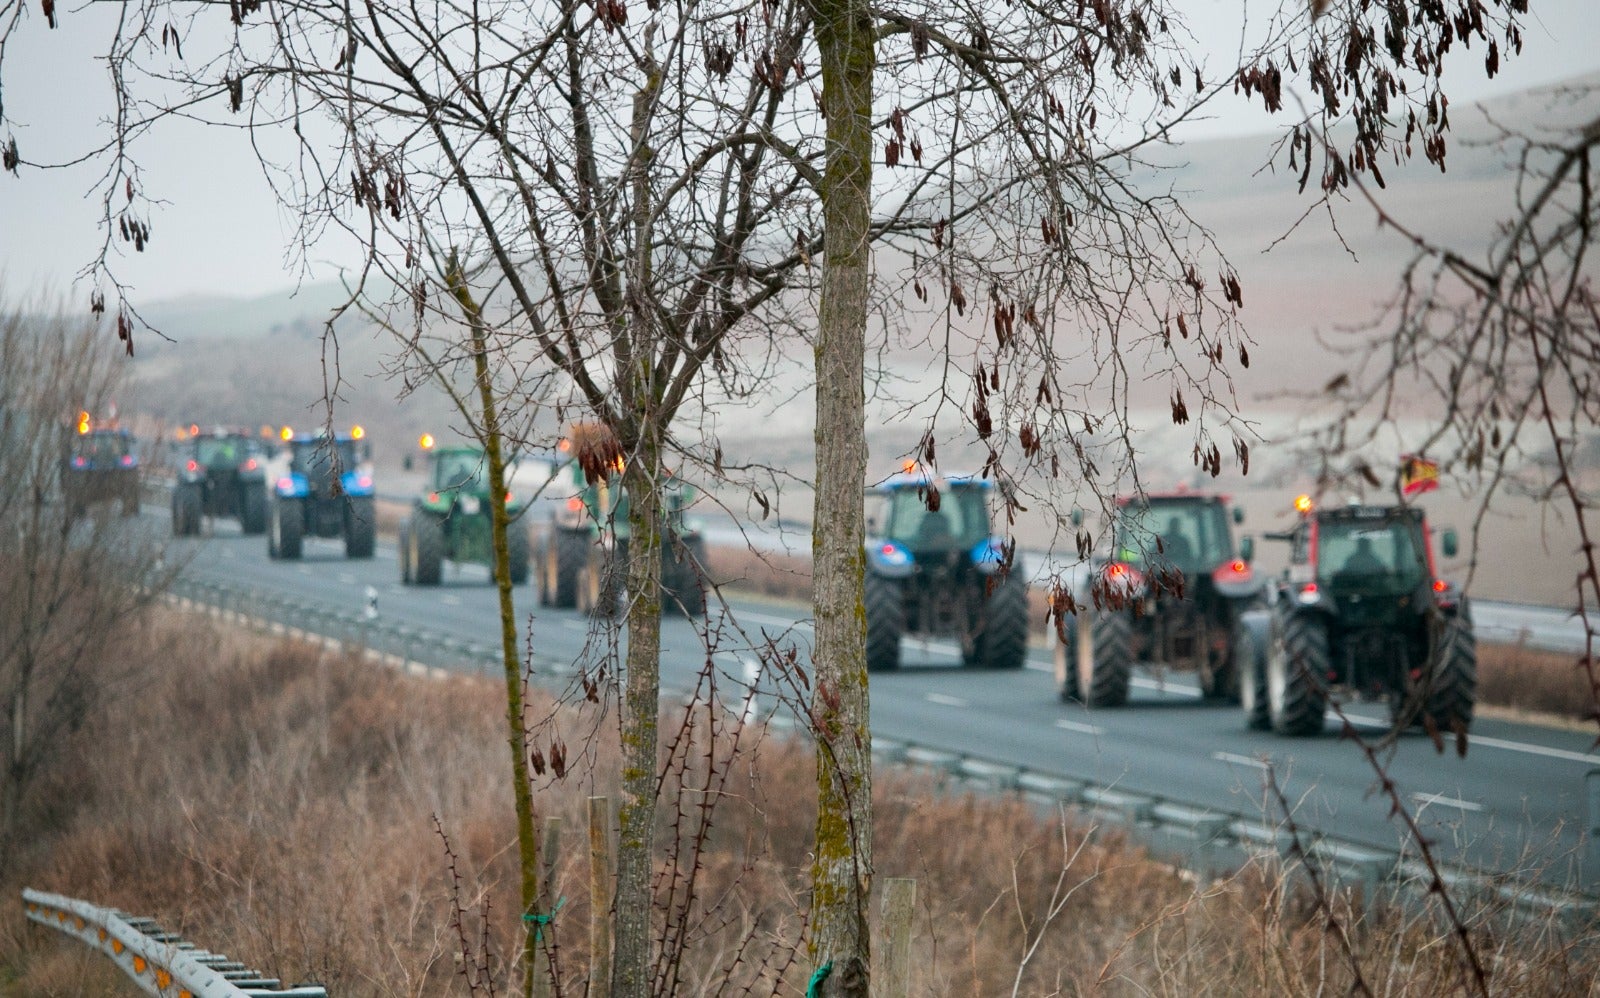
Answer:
x=1167 y=596
x=1360 y=613
x=220 y=473
x=935 y=569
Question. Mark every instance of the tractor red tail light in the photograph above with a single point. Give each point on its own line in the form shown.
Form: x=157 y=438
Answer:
x=365 y=481
x=1239 y=568
x=433 y=497
x=250 y=465
x=286 y=484
x=1439 y=585
x=193 y=465
x=127 y=460
x=574 y=504
x=1117 y=570
x=80 y=462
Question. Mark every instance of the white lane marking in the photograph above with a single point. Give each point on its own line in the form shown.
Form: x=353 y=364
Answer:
x=944 y=700
x=1549 y=753
x=575 y=625
x=1080 y=728
x=1497 y=743
x=449 y=600
x=346 y=579
x=1234 y=759
x=1442 y=801
x=1151 y=684
x=228 y=553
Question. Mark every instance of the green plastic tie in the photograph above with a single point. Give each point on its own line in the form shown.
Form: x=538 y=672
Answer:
x=817 y=977
x=540 y=921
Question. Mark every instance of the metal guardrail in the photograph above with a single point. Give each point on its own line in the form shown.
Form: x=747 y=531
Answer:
x=161 y=963
x=1207 y=841
x=1201 y=838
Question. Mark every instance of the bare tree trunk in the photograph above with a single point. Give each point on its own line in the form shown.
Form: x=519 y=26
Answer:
x=842 y=870
x=640 y=720
x=516 y=733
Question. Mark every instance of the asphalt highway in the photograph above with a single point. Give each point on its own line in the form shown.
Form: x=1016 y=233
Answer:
x=1516 y=803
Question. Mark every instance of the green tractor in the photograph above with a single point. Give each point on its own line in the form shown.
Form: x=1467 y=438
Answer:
x=453 y=519
x=101 y=465
x=583 y=560
x=1360 y=613
x=220 y=473
x=1167 y=596
x=936 y=569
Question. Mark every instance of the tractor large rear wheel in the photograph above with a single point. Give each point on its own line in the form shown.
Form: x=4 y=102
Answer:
x=288 y=528
x=517 y=551
x=886 y=621
x=403 y=544
x=1297 y=667
x=1105 y=662
x=1453 y=690
x=186 y=511
x=427 y=550
x=360 y=527
x=1065 y=641
x=682 y=584
x=253 y=508
x=561 y=565
x=1003 y=641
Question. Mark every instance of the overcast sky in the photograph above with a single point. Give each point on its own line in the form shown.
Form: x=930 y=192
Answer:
x=221 y=233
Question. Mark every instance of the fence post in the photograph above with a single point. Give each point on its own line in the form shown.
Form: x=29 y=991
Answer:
x=599 y=897
x=551 y=900
x=899 y=904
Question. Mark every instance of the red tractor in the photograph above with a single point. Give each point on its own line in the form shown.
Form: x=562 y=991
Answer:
x=1167 y=595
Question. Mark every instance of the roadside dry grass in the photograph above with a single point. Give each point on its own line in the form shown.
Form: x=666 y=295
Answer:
x=276 y=802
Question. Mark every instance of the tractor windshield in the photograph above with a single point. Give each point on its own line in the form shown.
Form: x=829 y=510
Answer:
x=1194 y=536
x=466 y=472
x=319 y=458
x=1370 y=553
x=961 y=521
x=101 y=448
x=218 y=452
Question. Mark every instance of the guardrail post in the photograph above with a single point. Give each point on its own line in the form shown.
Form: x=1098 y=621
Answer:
x=548 y=903
x=599 y=897
x=899 y=904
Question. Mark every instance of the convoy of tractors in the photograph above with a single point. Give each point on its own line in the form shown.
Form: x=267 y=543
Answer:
x=1360 y=611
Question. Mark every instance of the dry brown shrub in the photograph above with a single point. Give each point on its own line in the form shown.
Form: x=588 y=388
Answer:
x=1539 y=682
x=275 y=802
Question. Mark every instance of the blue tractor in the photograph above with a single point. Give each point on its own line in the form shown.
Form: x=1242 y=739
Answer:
x=936 y=569
x=101 y=465
x=326 y=491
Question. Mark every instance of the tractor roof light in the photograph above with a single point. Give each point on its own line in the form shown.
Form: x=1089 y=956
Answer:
x=287 y=433
x=357 y=432
x=426 y=441
x=83 y=422
x=1303 y=504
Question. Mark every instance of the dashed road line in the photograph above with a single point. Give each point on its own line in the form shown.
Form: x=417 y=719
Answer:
x=945 y=700
x=1442 y=801
x=1234 y=759
x=1079 y=727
